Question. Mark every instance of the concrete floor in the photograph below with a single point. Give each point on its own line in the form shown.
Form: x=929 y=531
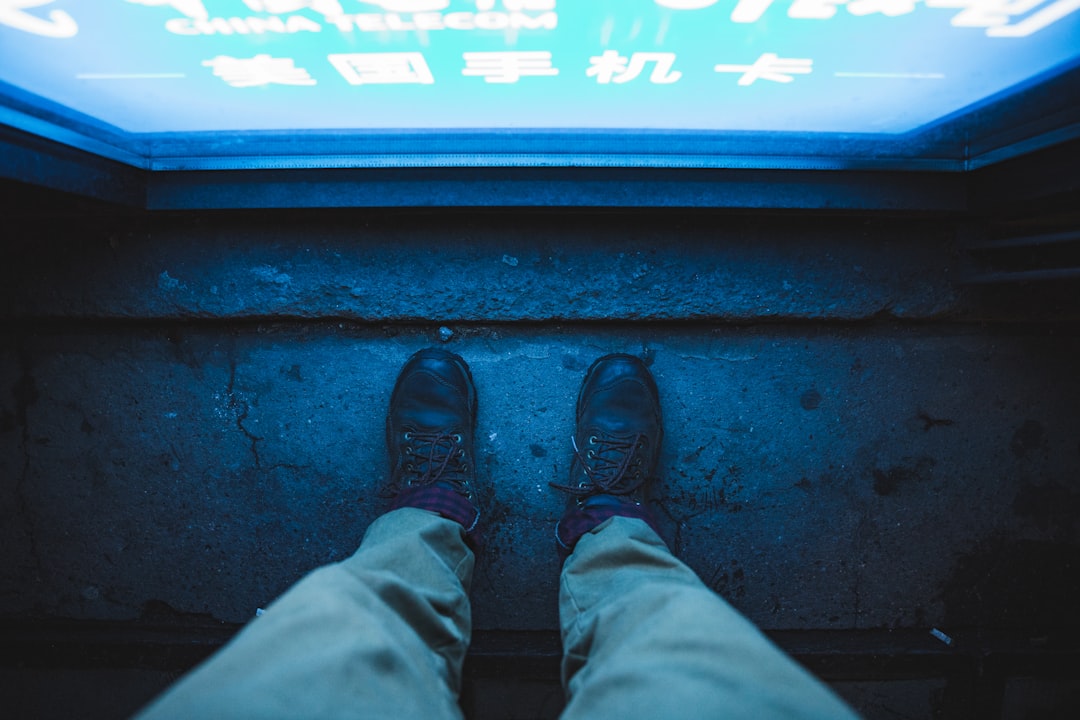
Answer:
x=858 y=450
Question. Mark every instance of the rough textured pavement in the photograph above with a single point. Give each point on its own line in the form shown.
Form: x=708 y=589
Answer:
x=858 y=450
x=841 y=479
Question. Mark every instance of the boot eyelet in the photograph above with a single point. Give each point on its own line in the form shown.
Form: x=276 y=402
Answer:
x=408 y=450
x=461 y=454
x=592 y=440
x=591 y=454
x=407 y=435
x=457 y=438
x=409 y=467
x=464 y=467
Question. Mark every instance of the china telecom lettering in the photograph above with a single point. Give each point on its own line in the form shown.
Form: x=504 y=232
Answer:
x=366 y=22
x=381 y=22
x=999 y=18
x=243 y=26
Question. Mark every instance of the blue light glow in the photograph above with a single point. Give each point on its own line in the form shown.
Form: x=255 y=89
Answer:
x=806 y=66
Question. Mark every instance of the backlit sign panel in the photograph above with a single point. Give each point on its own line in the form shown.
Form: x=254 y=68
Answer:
x=798 y=66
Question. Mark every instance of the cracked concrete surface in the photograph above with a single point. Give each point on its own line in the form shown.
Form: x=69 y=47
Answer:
x=816 y=478
x=192 y=406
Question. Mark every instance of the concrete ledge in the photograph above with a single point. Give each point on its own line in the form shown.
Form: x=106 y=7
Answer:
x=486 y=268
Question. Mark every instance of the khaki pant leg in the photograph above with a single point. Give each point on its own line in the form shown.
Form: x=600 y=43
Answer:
x=644 y=638
x=380 y=635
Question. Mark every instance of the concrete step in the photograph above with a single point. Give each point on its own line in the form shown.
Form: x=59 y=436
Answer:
x=854 y=478
x=859 y=449
x=498 y=268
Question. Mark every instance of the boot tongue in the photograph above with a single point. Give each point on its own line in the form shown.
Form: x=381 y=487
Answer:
x=435 y=456
x=606 y=462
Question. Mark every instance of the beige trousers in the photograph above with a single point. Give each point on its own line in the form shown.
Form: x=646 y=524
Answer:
x=384 y=635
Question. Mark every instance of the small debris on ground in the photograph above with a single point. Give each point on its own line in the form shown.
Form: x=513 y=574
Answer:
x=941 y=636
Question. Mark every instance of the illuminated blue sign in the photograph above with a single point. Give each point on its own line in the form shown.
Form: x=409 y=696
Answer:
x=806 y=66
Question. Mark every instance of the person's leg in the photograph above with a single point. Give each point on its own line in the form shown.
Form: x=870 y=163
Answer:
x=384 y=633
x=642 y=635
x=644 y=638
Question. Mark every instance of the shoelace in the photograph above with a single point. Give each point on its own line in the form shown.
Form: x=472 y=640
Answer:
x=436 y=457
x=606 y=466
